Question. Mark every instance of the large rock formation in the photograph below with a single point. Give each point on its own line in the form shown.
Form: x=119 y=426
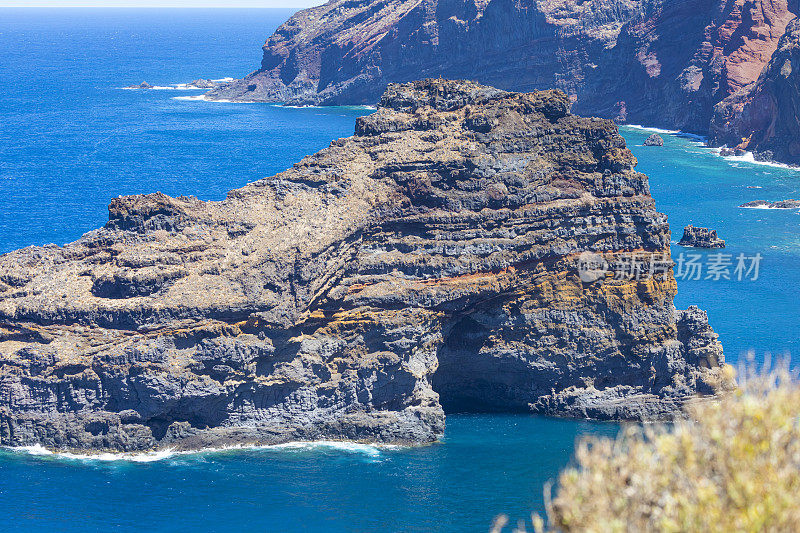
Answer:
x=657 y=62
x=701 y=238
x=654 y=140
x=764 y=117
x=428 y=263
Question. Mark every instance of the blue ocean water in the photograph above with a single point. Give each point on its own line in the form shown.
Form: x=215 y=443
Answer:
x=694 y=186
x=71 y=139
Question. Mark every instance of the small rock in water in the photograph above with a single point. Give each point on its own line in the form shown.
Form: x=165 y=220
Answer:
x=143 y=85
x=786 y=204
x=701 y=238
x=726 y=152
x=654 y=140
x=763 y=204
x=203 y=84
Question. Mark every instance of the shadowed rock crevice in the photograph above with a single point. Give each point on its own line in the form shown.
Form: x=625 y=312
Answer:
x=428 y=263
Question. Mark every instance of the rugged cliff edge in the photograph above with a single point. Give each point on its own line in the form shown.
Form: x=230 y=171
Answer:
x=765 y=116
x=656 y=62
x=429 y=263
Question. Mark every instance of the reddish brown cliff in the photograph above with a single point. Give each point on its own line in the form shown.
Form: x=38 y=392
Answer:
x=765 y=116
x=664 y=63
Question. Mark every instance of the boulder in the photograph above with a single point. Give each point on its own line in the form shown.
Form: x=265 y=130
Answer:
x=701 y=238
x=654 y=140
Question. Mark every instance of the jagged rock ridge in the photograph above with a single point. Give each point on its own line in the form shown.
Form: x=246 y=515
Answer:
x=428 y=263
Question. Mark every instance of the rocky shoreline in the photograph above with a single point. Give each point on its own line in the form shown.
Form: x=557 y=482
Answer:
x=428 y=264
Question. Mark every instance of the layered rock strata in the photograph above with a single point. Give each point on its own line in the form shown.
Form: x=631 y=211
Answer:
x=427 y=264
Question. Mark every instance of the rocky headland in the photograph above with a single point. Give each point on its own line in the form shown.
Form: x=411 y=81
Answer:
x=427 y=264
x=701 y=238
x=764 y=116
x=655 y=62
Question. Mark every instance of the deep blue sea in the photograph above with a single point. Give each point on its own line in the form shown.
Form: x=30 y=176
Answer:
x=71 y=140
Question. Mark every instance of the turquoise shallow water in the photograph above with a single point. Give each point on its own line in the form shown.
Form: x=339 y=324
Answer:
x=71 y=140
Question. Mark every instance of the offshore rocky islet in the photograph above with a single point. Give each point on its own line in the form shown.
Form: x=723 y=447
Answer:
x=427 y=264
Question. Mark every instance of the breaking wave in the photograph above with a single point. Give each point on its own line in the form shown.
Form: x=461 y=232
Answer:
x=654 y=130
x=195 y=97
x=747 y=157
x=369 y=450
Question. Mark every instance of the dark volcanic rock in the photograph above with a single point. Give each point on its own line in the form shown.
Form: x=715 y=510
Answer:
x=654 y=140
x=764 y=117
x=428 y=263
x=763 y=204
x=143 y=85
x=203 y=84
x=767 y=156
x=701 y=238
x=656 y=62
x=729 y=152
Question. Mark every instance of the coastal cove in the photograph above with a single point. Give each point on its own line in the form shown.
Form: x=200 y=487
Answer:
x=58 y=174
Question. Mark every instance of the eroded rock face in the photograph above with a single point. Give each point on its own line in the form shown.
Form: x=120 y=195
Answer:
x=429 y=262
x=656 y=62
x=764 y=117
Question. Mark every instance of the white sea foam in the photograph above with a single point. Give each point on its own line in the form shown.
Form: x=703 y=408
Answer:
x=195 y=97
x=187 y=87
x=202 y=98
x=747 y=157
x=297 y=106
x=176 y=87
x=349 y=447
x=655 y=130
x=766 y=207
x=364 y=107
x=143 y=457
x=371 y=450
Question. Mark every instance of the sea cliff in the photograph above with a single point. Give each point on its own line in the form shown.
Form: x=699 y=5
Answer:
x=764 y=116
x=655 y=62
x=429 y=263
